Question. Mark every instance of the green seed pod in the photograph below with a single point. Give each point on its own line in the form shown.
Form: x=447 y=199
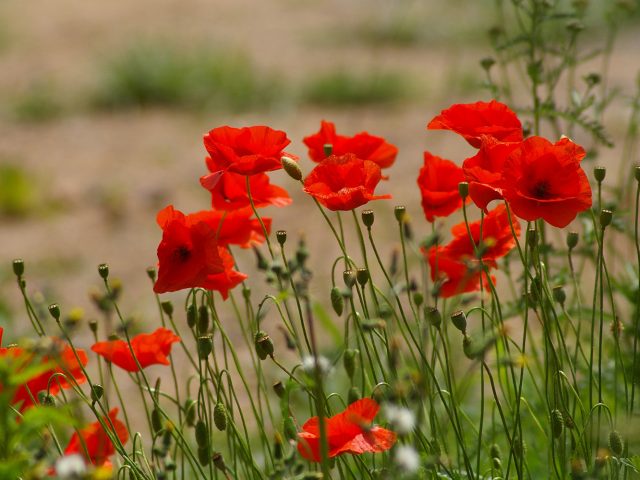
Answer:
x=486 y=63
x=557 y=423
x=204 y=456
x=636 y=172
x=103 y=270
x=349 y=361
x=599 y=173
x=281 y=237
x=616 y=444
x=54 y=310
x=18 y=267
x=362 y=276
x=192 y=315
x=468 y=347
x=418 y=299
x=605 y=218
x=367 y=218
x=156 y=421
x=218 y=461
x=96 y=392
x=167 y=307
x=203 y=319
x=220 y=416
x=292 y=168
x=433 y=316
x=354 y=395
x=559 y=294
x=400 y=212
x=151 y=273
x=190 y=411
x=463 y=190
x=337 y=301
x=290 y=430
x=459 y=320
x=532 y=237
x=349 y=278
x=519 y=447
x=205 y=347
x=263 y=345
x=45 y=399
x=572 y=240
x=278 y=446
x=202 y=434
x=328 y=149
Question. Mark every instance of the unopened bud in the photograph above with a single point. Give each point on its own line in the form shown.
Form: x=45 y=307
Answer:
x=494 y=451
x=418 y=298
x=103 y=270
x=203 y=456
x=202 y=434
x=263 y=345
x=292 y=168
x=203 y=319
x=532 y=237
x=218 y=462
x=469 y=348
x=349 y=360
x=205 y=347
x=557 y=423
x=54 y=310
x=337 y=301
x=354 y=395
x=400 y=212
x=156 y=421
x=605 y=218
x=599 y=173
x=281 y=237
x=192 y=315
x=190 y=411
x=349 y=278
x=362 y=276
x=463 y=190
x=18 y=267
x=616 y=444
x=46 y=399
x=96 y=392
x=572 y=240
x=167 y=307
x=367 y=218
x=559 y=294
x=220 y=416
x=459 y=320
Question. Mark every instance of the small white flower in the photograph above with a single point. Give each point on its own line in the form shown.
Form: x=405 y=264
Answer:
x=309 y=364
x=402 y=419
x=407 y=459
x=71 y=467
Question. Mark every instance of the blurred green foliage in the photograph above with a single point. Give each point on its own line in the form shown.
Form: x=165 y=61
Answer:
x=40 y=103
x=17 y=191
x=158 y=74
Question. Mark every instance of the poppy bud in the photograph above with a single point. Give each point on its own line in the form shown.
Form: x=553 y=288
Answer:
x=605 y=218
x=497 y=464
x=202 y=434
x=203 y=319
x=205 y=347
x=616 y=444
x=246 y=293
x=486 y=63
x=572 y=240
x=559 y=294
x=459 y=320
x=349 y=278
x=191 y=315
x=337 y=301
x=156 y=421
x=367 y=218
x=385 y=311
x=494 y=451
x=93 y=326
x=220 y=416
x=263 y=345
x=400 y=212
x=599 y=173
x=54 y=310
x=469 y=348
x=190 y=411
x=18 y=267
x=167 y=307
x=328 y=149
x=218 y=461
x=203 y=456
x=290 y=430
x=463 y=190
x=636 y=172
x=103 y=270
x=519 y=447
x=354 y=395
x=349 y=361
x=151 y=273
x=362 y=275
x=418 y=298
x=96 y=392
x=557 y=423
x=281 y=236
x=433 y=316
x=46 y=399
x=278 y=387
x=292 y=168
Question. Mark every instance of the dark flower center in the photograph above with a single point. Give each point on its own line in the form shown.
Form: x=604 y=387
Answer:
x=541 y=189
x=182 y=253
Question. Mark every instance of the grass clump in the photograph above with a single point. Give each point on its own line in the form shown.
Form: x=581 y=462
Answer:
x=346 y=88
x=38 y=104
x=150 y=74
x=17 y=192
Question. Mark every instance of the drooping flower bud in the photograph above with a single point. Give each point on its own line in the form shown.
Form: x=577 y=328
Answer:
x=220 y=416
x=349 y=360
x=292 y=168
x=337 y=301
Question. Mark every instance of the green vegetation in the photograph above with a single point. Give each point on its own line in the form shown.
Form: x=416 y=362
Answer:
x=162 y=75
x=17 y=192
x=40 y=103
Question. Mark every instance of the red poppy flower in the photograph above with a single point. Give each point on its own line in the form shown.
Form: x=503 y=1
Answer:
x=473 y=120
x=350 y=431
x=93 y=442
x=229 y=190
x=483 y=171
x=344 y=183
x=187 y=254
x=235 y=228
x=362 y=145
x=226 y=280
x=545 y=180
x=455 y=275
x=497 y=237
x=247 y=150
x=149 y=348
x=63 y=362
x=438 y=181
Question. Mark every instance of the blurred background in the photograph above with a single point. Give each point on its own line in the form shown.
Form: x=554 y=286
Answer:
x=103 y=106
